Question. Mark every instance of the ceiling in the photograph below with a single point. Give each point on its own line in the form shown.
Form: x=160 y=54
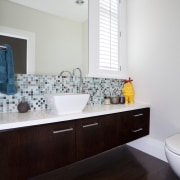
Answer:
x=64 y=8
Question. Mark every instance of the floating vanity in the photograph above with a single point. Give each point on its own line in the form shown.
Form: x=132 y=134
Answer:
x=37 y=142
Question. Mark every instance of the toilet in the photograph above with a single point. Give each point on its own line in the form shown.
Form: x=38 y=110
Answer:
x=172 y=151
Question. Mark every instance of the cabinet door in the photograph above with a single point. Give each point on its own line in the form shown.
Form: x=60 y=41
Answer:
x=27 y=152
x=63 y=144
x=89 y=137
x=135 y=124
x=111 y=130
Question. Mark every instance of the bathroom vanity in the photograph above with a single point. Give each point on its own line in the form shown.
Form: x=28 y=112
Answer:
x=38 y=142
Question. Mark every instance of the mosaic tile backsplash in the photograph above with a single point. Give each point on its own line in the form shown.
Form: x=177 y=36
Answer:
x=33 y=88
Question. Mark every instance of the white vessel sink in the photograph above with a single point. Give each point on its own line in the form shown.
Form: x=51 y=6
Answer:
x=62 y=104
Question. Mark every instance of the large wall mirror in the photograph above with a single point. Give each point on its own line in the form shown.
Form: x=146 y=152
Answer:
x=60 y=29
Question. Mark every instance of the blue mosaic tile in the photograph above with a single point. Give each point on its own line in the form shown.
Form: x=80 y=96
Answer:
x=33 y=88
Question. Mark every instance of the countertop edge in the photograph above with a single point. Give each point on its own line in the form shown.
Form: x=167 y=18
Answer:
x=33 y=118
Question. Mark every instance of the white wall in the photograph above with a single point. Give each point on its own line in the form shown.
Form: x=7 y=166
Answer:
x=58 y=41
x=85 y=47
x=154 y=61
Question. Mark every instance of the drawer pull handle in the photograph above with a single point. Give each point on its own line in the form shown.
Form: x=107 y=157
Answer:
x=137 y=130
x=137 y=115
x=90 y=125
x=63 y=130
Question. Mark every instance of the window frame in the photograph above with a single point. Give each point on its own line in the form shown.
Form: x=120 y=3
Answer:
x=94 y=70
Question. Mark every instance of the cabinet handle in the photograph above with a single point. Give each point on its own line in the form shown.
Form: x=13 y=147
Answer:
x=137 y=130
x=90 y=125
x=63 y=130
x=137 y=115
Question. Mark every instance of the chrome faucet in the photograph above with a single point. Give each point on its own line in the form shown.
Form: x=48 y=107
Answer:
x=80 y=76
x=65 y=72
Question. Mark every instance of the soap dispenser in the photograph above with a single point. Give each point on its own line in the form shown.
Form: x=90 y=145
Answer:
x=23 y=106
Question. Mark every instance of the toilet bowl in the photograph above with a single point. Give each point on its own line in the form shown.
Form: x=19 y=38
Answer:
x=172 y=151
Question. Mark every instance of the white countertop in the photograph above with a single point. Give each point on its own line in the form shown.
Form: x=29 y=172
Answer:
x=15 y=120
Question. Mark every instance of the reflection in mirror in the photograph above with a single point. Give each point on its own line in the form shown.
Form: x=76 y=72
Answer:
x=61 y=43
x=19 y=47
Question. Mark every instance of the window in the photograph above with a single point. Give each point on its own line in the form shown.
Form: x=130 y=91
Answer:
x=108 y=34
x=107 y=38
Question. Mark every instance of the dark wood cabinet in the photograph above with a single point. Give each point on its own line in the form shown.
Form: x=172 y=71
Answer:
x=27 y=152
x=111 y=131
x=30 y=151
x=135 y=124
x=89 y=137
x=63 y=143
x=97 y=134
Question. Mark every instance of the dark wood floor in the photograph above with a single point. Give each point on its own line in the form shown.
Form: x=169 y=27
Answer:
x=122 y=163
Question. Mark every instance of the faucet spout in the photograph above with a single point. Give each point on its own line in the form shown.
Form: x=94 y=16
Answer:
x=62 y=72
x=80 y=76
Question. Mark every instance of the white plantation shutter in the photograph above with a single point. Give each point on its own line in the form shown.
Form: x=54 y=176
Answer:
x=107 y=39
x=109 y=35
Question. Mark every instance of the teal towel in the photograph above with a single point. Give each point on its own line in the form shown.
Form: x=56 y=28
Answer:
x=3 y=71
x=7 y=85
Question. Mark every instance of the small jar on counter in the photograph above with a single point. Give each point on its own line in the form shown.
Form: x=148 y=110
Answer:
x=107 y=100
x=122 y=99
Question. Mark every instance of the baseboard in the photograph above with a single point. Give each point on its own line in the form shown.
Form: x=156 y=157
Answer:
x=150 y=146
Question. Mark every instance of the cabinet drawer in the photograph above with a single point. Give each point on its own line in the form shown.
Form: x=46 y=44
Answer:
x=135 y=124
